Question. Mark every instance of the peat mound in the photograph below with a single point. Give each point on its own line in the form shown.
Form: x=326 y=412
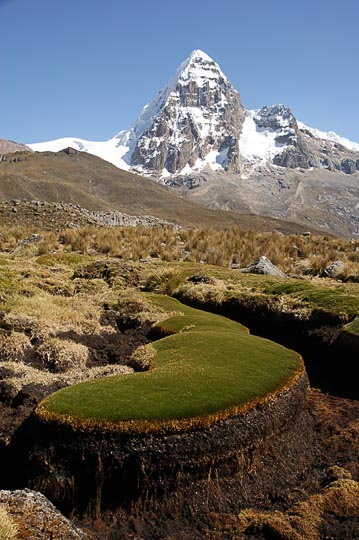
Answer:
x=329 y=348
x=253 y=456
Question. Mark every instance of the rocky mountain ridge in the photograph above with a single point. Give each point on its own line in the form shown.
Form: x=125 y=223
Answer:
x=197 y=137
x=197 y=121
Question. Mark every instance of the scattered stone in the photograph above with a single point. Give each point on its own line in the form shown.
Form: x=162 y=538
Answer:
x=51 y=216
x=263 y=266
x=33 y=239
x=334 y=270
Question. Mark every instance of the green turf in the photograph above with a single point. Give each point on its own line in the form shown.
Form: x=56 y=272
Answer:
x=335 y=300
x=353 y=327
x=209 y=364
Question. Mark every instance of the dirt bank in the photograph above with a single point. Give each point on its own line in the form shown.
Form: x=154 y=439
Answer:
x=91 y=472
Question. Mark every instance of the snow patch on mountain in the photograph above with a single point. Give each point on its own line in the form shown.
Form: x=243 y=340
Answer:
x=258 y=143
x=109 y=150
x=330 y=136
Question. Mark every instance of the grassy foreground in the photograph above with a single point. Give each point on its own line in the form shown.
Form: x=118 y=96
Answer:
x=206 y=368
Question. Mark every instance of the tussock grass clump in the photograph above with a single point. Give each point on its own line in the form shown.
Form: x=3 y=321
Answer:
x=8 y=528
x=59 y=355
x=131 y=309
x=310 y=519
x=293 y=254
x=164 y=281
x=15 y=346
x=143 y=358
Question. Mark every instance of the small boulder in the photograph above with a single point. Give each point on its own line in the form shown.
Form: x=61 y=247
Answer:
x=334 y=270
x=263 y=266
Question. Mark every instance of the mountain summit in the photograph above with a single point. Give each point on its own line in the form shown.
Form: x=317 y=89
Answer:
x=197 y=122
x=194 y=121
x=196 y=134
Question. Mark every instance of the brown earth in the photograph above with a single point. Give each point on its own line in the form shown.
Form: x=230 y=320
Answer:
x=79 y=178
x=322 y=505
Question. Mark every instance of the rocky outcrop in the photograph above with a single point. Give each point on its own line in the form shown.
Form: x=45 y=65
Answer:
x=330 y=154
x=334 y=270
x=281 y=121
x=9 y=147
x=37 y=519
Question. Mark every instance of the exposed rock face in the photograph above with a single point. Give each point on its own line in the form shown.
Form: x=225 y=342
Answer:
x=198 y=113
x=280 y=120
x=37 y=518
x=329 y=154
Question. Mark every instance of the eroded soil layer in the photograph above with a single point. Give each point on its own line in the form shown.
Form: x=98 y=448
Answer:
x=263 y=450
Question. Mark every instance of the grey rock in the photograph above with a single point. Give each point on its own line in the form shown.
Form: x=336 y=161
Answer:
x=263 y=266
x=348 y=166
x=39 y=516
x=334 y=270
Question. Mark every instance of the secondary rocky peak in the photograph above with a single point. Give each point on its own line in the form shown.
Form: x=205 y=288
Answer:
x=275 y=117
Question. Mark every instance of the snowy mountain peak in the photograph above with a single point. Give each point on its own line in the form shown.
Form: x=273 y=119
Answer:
x=198 y=54
x=194 y=121
x=197 y=121
x=200 y=69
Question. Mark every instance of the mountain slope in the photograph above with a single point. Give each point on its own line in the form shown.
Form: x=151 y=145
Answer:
x=11 y=146
x=82 y=179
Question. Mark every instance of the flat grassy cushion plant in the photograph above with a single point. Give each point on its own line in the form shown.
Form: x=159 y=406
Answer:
x=206 y=367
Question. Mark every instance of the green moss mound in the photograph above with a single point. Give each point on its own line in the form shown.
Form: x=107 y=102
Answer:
x=206 y=368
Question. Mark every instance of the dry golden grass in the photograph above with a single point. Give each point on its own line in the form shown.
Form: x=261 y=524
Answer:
x=311 y=519
x=19 y=375
x=298 y=254
x=51 y=313
x=59 y=355
x=142 y=359
x=8 y=528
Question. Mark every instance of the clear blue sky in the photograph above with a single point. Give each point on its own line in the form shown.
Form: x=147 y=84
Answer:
x=85 y=68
